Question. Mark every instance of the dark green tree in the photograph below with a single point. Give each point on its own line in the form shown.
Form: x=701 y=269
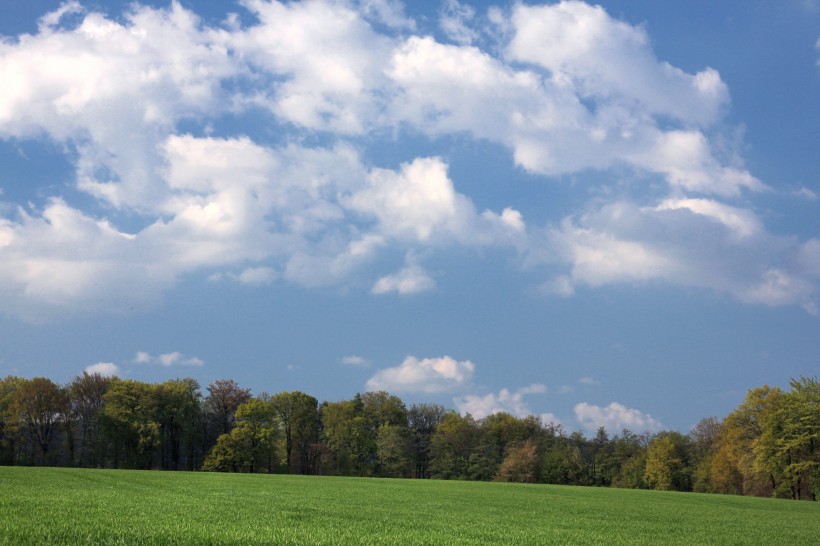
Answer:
x=298 y=414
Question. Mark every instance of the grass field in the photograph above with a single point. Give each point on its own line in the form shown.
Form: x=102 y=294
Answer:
x=72 y=506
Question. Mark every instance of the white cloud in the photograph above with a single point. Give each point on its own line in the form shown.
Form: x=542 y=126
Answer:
x=689 y=242
x=412 y=279
x=419 y=204
x=615 y=417
x=106 y=369
x=101 y=85
x=388 y=12
x=454 y=20
x=504 y=401
x=582 y=45
x=743 y=223
x=589 y=381
x=428 y=375
x=142 y=358
x=167 y=359
x=257 y=276
x=327 y=55
x=355 y=360
x=572 y=89
x=52 y=19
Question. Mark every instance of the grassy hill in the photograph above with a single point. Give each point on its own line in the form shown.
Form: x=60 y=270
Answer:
x=73 y=506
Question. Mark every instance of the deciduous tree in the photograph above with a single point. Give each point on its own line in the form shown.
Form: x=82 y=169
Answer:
x=224 y=398
x=298 y=414
x=249 y=444
x=86 y=394
x=41 y=407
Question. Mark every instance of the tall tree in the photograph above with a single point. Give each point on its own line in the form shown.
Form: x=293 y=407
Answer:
x=743 y=462
x=176 y=409
x=129 y=419
x=348 y=437
x=423 y=419
x=249 y=444
x=86 y=394
x=394 y=450
x=298 y=415
x=224 y=398
x=704 y=436
x=662 y=464
x=9 y=430
x=451 y=446
x=562 y=462
x=788 y=443
x=521 y=463
x=41 y=406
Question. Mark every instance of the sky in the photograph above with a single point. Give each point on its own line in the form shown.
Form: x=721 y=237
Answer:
x=599 y=214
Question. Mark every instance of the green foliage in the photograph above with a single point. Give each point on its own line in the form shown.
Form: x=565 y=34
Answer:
x=393 y=447
x=423 y=419
x=80 y=506
x=250 y=445
x=298 y=414
x=348 y=437
x=9 y=437
x=662 y=464
x=40 y=407
x=130 y=421
x=562 y=464
x=770 y=445
x=451 y=446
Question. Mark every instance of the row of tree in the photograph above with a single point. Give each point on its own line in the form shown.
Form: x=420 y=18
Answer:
x=768 y=446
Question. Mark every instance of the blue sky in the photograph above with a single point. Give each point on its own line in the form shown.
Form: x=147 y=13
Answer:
x=599 y=214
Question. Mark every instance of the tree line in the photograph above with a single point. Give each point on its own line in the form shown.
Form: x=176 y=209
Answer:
x=768 y=446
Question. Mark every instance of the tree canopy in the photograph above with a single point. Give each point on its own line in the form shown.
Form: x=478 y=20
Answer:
x=769 y=445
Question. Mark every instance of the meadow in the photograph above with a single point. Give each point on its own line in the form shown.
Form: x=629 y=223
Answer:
x=74 y=506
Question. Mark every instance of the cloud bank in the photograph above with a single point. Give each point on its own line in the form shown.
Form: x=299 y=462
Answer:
x=158 y=113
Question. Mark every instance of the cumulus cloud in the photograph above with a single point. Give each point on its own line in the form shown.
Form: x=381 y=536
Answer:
x=583 y=46
x=568 y=89
x=167 y=359
x=410 y=280
x=106 y=369
x=427 y=375
x=615 y=417
x=504 y=401
x=691 y=242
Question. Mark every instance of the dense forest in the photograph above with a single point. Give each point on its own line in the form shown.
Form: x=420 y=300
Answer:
x=768 y=446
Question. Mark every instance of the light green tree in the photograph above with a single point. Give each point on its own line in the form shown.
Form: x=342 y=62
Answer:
x=249 y=444
x=129 y=420
x=393 y=448
x=661 y=464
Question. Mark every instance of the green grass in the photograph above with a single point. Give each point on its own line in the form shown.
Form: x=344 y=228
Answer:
x=71 y=506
